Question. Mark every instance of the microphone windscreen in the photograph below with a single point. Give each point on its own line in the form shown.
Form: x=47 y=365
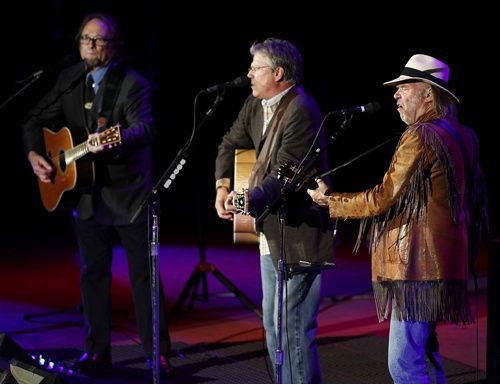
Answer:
x=241 y=81
x=372 y=107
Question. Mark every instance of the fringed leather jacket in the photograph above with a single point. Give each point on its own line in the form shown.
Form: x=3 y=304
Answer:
x=418 y=222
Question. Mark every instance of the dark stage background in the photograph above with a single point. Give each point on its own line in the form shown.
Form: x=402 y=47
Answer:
x=349 y=49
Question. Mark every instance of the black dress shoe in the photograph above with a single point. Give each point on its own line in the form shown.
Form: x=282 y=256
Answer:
x=93 y=361
x=165 y=367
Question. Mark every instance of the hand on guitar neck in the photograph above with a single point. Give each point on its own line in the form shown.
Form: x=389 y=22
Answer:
x=96 y=143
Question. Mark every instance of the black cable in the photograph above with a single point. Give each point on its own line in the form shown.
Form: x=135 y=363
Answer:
x=476 y=292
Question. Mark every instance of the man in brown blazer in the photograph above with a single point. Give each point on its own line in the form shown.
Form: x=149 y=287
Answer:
x=280 y=121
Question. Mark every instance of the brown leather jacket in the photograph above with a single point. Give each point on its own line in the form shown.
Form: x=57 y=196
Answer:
x=420 y=218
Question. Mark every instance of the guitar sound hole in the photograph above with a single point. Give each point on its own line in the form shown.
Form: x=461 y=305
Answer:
x=62 y=162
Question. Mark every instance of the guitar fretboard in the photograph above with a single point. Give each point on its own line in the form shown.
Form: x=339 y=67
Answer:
x=75 y=153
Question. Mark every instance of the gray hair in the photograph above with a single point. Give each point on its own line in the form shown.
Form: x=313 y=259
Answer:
x=282 y=54
x=445 y=104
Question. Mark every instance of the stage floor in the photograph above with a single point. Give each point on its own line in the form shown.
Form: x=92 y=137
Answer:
x=218 y=338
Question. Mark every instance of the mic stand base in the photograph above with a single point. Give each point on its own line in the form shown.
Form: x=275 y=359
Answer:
x=200 y=274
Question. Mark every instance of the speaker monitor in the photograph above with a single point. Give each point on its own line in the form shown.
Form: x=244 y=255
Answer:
x=23 y=368
x=29 y=374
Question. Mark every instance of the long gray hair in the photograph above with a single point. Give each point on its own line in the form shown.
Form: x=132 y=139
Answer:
x=446 y=105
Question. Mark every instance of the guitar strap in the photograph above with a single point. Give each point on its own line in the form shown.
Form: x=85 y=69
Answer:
x=114 y=80
x=264 y=159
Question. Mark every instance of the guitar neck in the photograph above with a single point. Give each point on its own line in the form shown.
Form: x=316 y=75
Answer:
x=110 y=137
x=75 y=153
x=59 y=149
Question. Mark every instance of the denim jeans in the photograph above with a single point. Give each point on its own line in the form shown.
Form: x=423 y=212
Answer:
x=301 y=297
x=414 y=353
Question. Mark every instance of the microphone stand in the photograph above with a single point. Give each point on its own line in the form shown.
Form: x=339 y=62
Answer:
x=362 y=154
x=21 y=90
x=200 y=271
x=153 y=203
x=279 y=205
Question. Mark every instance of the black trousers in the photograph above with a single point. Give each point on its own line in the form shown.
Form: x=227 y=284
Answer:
x=96 y=246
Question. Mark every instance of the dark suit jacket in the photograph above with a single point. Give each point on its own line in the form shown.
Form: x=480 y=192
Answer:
x=307 y=233
x=122 y=175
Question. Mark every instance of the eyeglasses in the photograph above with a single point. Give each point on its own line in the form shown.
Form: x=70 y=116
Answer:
x=255 y=69
x=98 y=41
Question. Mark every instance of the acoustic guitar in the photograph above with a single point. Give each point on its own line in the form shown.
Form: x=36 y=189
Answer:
x=69 y=174
x=243 y=225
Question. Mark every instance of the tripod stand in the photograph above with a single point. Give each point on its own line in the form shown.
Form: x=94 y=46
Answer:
x=199 y=275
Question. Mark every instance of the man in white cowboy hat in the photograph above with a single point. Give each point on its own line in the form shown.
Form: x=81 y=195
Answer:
x=426 y=217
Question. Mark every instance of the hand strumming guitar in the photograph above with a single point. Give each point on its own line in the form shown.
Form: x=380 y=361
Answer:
x=221 y=204
x=41 y=167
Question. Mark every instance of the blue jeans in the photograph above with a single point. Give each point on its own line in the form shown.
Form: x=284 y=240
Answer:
x=301 y=297
x=414 y=353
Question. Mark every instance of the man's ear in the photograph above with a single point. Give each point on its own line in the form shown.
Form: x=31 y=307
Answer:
x=279 y=74
x=429 y=95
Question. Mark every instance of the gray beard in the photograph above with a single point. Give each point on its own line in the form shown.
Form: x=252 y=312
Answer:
x=92 y=64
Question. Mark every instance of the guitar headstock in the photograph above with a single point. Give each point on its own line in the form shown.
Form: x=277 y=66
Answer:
x=111 y=136
x=287 y=171
x=290 y=171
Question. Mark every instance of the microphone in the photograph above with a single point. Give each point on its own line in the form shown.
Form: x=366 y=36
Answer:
x=368 y=108
x=66 y=61
x=239 y=82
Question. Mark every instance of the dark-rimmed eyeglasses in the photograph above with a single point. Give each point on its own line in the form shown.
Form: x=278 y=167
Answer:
x=98 y=41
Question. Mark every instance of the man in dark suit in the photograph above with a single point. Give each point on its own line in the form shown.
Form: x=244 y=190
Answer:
x=88 y=98
x=280 y=121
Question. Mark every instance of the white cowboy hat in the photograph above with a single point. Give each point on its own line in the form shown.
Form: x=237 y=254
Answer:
x=427 y=69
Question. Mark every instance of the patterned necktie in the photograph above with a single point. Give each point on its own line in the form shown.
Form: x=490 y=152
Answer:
x=89 y=100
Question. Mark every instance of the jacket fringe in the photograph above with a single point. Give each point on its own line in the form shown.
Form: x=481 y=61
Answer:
x=423 y=300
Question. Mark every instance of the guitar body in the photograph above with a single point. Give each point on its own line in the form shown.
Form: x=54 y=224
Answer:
x=66 y=177
x=243 y=225
x=69 y=174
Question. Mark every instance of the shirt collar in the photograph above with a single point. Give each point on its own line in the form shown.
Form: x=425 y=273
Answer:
x=274 y=101
x=98 y=75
